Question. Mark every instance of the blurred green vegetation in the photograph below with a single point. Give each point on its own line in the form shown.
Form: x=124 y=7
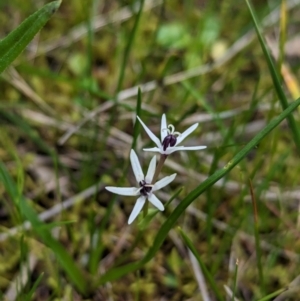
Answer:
x=67 y=113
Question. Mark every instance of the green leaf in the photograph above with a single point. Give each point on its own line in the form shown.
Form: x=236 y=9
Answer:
x=18 y=39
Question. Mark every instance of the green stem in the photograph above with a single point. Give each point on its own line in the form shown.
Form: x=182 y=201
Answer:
x=159 y=166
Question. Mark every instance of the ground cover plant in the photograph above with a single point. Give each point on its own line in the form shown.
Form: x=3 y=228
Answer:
x=149 y=150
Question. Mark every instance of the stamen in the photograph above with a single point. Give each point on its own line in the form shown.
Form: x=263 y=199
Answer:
x=145 y=188
x=172 y=129
x=169 y=140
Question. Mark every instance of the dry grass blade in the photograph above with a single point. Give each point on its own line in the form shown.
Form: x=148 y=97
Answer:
x=21 y=278
x=293 y=290
x=229 y=292
x=199 y=277
x=13 y=77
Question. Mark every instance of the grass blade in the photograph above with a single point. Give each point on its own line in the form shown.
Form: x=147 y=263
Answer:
x=136 y=129
x=256 y=235
x=18 y=39
x=128 y=47
x=275 y=77
x=34 y=287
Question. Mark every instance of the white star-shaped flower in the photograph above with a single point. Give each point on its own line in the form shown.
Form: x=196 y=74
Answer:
x=169 y=142
x=145 y=189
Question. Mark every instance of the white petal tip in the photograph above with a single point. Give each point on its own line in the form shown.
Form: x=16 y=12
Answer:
x=131 y=220
x=137 y=209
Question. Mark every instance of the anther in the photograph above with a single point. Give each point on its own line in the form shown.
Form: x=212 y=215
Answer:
x=169 y=140
x=145 y=188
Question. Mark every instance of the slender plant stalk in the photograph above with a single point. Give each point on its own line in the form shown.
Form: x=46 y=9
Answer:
x=136 y=129
x=159 y=166
x=257 y=239
x=128 y=48
x=282 y=37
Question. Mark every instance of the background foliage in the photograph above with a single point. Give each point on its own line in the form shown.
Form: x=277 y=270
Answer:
x=68 y=106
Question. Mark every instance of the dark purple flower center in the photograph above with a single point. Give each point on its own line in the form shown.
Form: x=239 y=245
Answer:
x=146 y=188
x=170 y=140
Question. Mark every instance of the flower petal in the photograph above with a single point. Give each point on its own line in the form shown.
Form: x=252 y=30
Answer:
x=153 y=149
x=163 y=182
x=123 y=190
x=137 y=209
x=150 y=134
x=171 y=150
x=163 y=128
x=193 y=147
x=181 y=137
x=136 y=166
x=156 y=202
x=151 y=170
